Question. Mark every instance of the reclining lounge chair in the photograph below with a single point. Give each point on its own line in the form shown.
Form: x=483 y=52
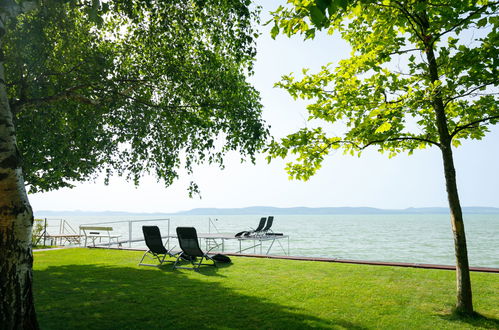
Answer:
x=270 y=221
x=156 y=249
x=254 y=231
x=188 y=240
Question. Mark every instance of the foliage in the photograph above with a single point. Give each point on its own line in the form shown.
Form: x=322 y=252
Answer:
x=95 y=288
x=384 y=95
x=131 y=87
x=37 y=231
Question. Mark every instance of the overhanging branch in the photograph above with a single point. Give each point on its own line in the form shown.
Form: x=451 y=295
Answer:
x=473 y=124
x=381 y=141
x=471 y=91
x=402 y=138
x=465 y=19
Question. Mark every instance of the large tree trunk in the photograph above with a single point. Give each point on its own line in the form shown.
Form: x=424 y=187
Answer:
x=464 y=298
x=16 y=219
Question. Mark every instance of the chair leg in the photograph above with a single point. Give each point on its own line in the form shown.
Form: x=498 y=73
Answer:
x=176 y=261
x=199 y=264
x=162 y=260
x=143 y=257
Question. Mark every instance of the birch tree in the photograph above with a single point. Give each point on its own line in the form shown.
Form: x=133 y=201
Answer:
x=116 y=87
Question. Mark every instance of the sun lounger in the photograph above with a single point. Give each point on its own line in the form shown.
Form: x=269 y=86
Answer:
x=156 y=249
x=189 y=243
x=266 y=230
x=256 y=231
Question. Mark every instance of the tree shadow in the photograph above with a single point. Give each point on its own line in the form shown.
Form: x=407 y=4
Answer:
x=476 y=320
x=111 y=297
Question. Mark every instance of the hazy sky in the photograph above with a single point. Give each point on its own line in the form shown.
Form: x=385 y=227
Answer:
x=372 y=180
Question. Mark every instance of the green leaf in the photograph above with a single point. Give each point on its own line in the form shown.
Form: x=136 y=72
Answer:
x=316 y=15
x=310 y=34
x=482 y=22
x=323 y=4
x=333 y=8
x=383 y=127
x=343 y=3
x=274 y=31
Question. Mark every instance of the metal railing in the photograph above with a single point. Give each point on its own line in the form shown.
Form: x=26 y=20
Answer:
x=130 y=223
x=48 y=231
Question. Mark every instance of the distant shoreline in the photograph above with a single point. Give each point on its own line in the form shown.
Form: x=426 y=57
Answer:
x=268 y=210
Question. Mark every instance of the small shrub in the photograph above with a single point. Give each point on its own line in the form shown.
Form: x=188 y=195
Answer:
x=37 y=231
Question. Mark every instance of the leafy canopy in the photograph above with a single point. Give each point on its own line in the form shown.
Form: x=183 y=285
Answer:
x=384 y=94
x=131 y=87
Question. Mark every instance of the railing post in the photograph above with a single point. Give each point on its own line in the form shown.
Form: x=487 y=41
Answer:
x=129 y=233
x=44 y=231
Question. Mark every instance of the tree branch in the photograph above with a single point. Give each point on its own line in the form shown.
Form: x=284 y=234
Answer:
x=403 y=51
x=402 y=138
x=473 y=124
x=391 y=102
x=405 y=138
x=469 y=92
x=464 y=20
x=408 y=15
x=411 y=18
x=159 y=106
x=68 y=93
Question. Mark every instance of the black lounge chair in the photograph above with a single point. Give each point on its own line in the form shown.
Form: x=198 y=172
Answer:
x=156 y=249
x=270 y=221
x=188 y=240
x=253 y=231
x=261 y=225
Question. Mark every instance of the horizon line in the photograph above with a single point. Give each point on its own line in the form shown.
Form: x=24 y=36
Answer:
x=249 y=207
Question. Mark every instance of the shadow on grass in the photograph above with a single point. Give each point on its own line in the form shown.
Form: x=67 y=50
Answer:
x=206 y=268
x=98 y=297
x=476 y=320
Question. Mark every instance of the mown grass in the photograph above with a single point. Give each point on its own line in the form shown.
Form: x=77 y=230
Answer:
x=105 y=289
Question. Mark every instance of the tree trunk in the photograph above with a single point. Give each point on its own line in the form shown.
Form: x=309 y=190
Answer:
x=16 y=219
x=464 y=298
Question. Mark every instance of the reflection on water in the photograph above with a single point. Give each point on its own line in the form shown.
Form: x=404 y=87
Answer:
x=404 y=238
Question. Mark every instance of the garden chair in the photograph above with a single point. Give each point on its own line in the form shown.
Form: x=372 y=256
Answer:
x=156 y=249
x=189 y=243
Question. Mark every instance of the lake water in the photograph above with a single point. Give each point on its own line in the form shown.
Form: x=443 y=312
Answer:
x=404 y=238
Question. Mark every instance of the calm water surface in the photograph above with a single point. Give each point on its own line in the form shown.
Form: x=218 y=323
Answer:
x=404 y=238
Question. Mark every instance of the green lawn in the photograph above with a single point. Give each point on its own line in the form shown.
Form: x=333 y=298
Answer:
x=105 y=289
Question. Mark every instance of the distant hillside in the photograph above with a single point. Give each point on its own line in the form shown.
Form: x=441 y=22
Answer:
x=289 y=210
x=45 y=213
x=268 y=210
